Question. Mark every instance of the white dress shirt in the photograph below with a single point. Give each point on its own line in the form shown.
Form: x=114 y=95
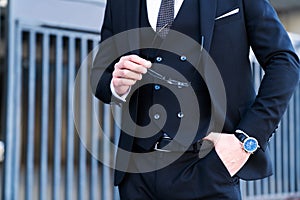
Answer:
x=152 y=9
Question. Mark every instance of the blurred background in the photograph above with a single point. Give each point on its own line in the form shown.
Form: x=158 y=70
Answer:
x=42 y=45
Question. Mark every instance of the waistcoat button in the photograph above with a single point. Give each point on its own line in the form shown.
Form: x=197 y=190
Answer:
x=180 y=114
x=156 y=116
x=183 y=58
x=159 y=59
x=157 y=87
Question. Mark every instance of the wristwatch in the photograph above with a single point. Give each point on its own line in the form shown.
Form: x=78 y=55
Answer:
x=250 y=144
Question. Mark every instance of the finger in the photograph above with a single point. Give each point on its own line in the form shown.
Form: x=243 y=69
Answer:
x=124 y=73
x=138 y=60
x=135 y=67
x=120 y=82
x=213 y=137
x=129 y=65
x=141 y=61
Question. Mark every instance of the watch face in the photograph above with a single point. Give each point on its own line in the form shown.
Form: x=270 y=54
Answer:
x=250 y=144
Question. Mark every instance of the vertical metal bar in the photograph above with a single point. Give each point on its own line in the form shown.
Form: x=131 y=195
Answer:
x=253 y=68
x=9 y=137
x=3 y=82
x=297 y=137
x=83 y=125
x=58 y=119
x=243 y=187
x=106 y=178
x=256 y=76
x=291 y=146
x=94 y=150
x=70 y=132
x=285 y=157
x=31 y=117
x=12 y=34
x=265 y=186
x=45 y=119
x=250 y=188
x=278 y=174
x=17 y=116
x=258 y=186
x=118 y=116
x=272 y=179
x=94 y=188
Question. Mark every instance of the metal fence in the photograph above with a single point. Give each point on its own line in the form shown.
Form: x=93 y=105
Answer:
x=44 y=156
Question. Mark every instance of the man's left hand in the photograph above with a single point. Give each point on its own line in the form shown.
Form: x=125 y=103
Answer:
x=230 y=151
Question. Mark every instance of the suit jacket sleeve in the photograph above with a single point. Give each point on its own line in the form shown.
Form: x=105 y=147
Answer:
x=275 y=53
x=101 y=72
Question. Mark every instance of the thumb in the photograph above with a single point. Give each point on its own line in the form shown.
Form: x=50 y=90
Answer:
x=213 y=137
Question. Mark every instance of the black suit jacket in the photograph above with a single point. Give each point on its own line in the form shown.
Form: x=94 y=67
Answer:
x=228 y=42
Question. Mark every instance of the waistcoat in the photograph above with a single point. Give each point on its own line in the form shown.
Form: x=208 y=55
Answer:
x=187 y=22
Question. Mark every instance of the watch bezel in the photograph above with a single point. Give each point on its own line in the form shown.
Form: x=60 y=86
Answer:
x=243 y=137
x=244 y=145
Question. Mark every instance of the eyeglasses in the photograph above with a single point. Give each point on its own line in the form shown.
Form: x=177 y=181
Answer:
x=169 y=80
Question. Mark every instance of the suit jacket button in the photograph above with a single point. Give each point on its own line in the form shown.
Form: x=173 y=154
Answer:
x=180 y=115
x=156 y=116
x=159 y=59
x=183 y=58
x=157 y=87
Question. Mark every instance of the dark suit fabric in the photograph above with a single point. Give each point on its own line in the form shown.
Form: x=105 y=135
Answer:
x=187 y=178
x=228 y=41
x=186 y=23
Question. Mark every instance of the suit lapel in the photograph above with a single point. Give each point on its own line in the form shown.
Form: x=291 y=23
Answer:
x=207 y=20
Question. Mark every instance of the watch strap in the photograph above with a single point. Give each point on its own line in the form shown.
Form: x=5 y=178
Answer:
x=240 y=135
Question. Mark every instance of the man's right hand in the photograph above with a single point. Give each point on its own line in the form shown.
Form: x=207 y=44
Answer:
x=128 y=71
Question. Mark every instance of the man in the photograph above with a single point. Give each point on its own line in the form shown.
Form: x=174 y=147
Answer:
x=226 y=29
